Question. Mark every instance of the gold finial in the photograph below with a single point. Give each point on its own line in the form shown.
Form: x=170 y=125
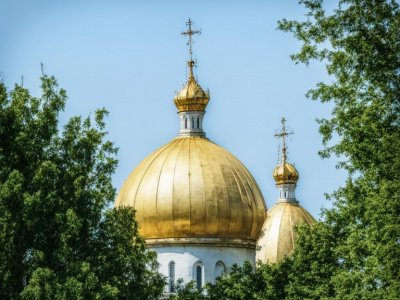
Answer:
x=190 y=32
x=283 y=135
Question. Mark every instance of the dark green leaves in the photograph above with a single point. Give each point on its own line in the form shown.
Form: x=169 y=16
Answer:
x=58 y=239
x=359 y=42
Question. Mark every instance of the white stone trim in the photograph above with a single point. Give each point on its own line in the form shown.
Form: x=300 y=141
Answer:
x=287 y=193
x=191 y=123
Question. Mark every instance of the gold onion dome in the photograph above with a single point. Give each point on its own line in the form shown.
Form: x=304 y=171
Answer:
x=192 y=189
x=191 y=97
x=278 y=235
x=285 y=173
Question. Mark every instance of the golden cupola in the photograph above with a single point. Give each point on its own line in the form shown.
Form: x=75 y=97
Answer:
x=278 y=235
x=285 y=173
x=192 y=190
x=191 y=97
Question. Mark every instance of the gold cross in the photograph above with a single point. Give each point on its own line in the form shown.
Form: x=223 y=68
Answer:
x=283 y=135
x=190 y=32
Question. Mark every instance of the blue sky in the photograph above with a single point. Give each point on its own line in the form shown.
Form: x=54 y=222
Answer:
x=130 y=57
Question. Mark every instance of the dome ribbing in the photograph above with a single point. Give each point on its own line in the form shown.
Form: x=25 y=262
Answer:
x=193 y=188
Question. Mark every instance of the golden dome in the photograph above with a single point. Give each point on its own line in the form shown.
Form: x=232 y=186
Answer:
x=193 y=189
x=277 y=237
x=191 y=97
x=285 y=173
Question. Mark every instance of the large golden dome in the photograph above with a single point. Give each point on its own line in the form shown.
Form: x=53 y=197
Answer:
x=193 y=189
x=278 y=235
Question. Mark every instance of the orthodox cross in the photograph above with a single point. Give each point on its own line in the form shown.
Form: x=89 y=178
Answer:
x=190 y=32
x=283 y=135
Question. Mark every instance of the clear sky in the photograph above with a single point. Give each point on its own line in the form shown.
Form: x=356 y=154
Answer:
x=130 y=57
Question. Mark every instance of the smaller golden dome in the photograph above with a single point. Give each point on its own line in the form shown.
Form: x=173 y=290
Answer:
x=278 y=234
x=191 y=97
x=286 y=173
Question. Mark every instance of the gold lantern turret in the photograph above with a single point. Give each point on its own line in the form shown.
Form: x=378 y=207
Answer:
x=278 y=235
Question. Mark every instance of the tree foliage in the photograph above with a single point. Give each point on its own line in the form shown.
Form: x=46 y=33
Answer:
x=354 y=253
x=58 y=240
x=359 y=42
x=188 y=291
x=265 y=282
x=242 y=283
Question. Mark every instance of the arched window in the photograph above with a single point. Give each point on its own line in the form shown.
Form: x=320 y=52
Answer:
x=198 y=273
x=198 y=123
x=199 y=279
x=172 y=277
x=219 y=269
x=185 y=123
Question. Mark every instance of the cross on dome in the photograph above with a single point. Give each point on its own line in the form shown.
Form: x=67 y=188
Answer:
x=283 y=135
x=190 y=32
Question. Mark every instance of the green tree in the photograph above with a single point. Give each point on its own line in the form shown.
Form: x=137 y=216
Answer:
x=238 y=284
x=313 y=263
x=267 y=281
x=58 y=240
x=359 y=42
x=188 y=291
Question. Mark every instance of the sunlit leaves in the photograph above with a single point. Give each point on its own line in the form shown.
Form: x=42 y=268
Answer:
x=58 y=238
x=359 y=43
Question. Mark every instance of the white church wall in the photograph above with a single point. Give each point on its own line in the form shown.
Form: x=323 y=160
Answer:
x=213 y=260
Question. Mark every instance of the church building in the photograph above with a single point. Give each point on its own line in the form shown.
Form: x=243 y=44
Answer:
x=199 y=207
